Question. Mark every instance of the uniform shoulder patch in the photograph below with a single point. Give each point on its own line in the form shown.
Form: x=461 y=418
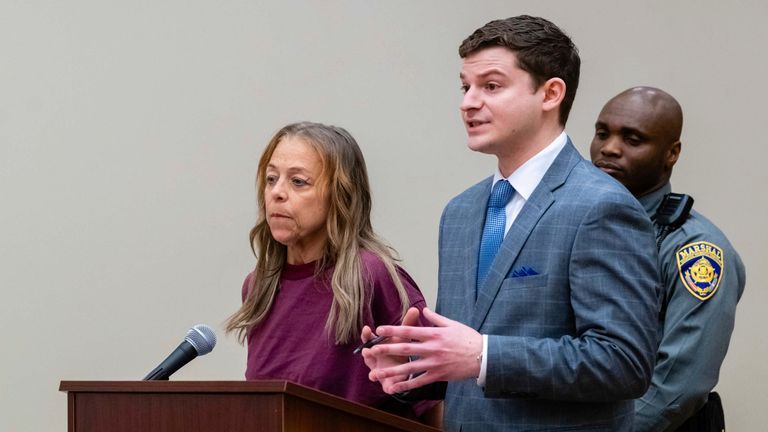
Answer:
x=701 y=268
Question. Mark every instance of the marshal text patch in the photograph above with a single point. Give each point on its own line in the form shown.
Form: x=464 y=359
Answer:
x=701 y=268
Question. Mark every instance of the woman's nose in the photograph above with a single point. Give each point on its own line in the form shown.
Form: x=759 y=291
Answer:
x=278 y=191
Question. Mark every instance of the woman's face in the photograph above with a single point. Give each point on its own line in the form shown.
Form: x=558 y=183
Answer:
x=295 y=200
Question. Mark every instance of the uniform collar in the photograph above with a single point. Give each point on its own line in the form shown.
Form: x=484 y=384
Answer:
x=651 y=201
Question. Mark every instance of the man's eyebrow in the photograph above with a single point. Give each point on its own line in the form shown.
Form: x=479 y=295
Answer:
x=622 y=129
x=486 y=73
x=632 y=130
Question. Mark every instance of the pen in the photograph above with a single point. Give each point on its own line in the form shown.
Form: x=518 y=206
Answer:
x=370 y=343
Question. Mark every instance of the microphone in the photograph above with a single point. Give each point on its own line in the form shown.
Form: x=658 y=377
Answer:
x=200 y=340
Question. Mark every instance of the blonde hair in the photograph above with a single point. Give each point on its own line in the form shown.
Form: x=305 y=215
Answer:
x=349 y=231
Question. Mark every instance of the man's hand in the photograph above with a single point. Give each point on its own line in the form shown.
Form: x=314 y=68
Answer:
x=448 y=352
x=375 y=361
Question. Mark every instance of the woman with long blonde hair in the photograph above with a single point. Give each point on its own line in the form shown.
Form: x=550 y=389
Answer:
x=321 y=272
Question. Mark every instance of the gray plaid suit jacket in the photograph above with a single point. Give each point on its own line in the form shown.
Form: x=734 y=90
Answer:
x=570 y=304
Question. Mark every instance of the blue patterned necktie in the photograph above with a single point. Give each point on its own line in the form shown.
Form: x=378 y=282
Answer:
x=493 y=230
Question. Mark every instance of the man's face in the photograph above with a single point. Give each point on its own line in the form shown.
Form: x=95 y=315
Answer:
x=501 y=109
x=632 y=143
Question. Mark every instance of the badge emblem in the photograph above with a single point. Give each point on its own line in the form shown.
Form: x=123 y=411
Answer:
x=701 y=268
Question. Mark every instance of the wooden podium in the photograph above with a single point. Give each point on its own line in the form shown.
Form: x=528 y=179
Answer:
x=219 y=406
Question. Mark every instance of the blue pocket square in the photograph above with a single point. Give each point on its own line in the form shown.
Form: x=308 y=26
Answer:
x=524 y=271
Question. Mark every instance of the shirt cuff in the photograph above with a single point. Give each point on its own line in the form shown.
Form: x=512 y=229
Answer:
x=483 y=363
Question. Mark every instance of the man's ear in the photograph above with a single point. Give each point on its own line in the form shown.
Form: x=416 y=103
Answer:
x=673 y=154
x=554 y=92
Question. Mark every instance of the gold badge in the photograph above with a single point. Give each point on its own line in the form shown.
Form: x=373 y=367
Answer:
x=701 y=268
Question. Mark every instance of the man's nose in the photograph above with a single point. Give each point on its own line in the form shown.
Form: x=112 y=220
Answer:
x=611 y=147
x=471 y=100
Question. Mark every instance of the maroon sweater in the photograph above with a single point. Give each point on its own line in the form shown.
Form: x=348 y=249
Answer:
x=292 y=343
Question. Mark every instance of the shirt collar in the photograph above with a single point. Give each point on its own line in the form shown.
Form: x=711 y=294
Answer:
x=651 y=201
x=527 y=177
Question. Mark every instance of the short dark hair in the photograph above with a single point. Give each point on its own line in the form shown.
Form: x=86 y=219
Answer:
x=541 y=48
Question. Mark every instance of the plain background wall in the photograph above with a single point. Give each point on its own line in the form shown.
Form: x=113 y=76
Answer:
x=130 y=132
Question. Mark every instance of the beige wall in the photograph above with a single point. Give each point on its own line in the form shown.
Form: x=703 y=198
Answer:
x=129 y=134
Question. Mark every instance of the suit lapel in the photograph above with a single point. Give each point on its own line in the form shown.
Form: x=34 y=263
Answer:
x=538 y=203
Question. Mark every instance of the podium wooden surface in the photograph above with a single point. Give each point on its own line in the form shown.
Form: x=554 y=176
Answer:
x=213 y=406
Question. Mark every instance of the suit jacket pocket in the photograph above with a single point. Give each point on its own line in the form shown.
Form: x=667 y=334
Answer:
x=524 y=282
x=516 y=294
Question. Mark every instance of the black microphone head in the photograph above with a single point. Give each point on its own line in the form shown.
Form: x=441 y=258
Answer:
x=202 y=338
